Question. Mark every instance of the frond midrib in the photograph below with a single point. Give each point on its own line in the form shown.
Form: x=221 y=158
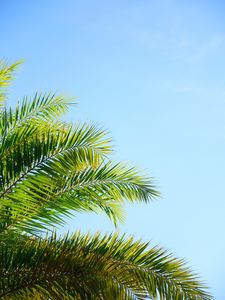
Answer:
x=43 y=161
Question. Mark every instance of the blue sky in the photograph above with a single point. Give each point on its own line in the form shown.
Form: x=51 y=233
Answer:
x=152 y=73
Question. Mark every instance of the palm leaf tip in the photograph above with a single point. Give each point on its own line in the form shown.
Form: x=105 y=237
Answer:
x=6 y=76
x=131 y=182
x=46 y=106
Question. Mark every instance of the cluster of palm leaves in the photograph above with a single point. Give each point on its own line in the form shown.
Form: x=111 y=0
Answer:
x=49 y=170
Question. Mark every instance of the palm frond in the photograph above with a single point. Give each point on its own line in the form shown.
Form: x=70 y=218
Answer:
x=49 y=149
x=95 y=267
x=6 y=76
x=42 y=108
x=56 y=191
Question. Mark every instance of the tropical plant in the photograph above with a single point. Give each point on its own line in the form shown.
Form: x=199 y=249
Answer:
x=50 y=169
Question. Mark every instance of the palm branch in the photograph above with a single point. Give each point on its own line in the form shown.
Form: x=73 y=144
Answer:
x=94 y=267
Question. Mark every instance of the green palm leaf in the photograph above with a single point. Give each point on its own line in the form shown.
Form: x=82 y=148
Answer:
x=45 y=198
x=85 y=267
x=6 y=76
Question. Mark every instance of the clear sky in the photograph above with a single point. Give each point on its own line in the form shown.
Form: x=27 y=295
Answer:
x=152 y=72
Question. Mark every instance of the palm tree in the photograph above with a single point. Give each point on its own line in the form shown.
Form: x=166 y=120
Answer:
x=50 y=169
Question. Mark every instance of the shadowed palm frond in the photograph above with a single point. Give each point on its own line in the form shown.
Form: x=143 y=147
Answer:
x=85 y=267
